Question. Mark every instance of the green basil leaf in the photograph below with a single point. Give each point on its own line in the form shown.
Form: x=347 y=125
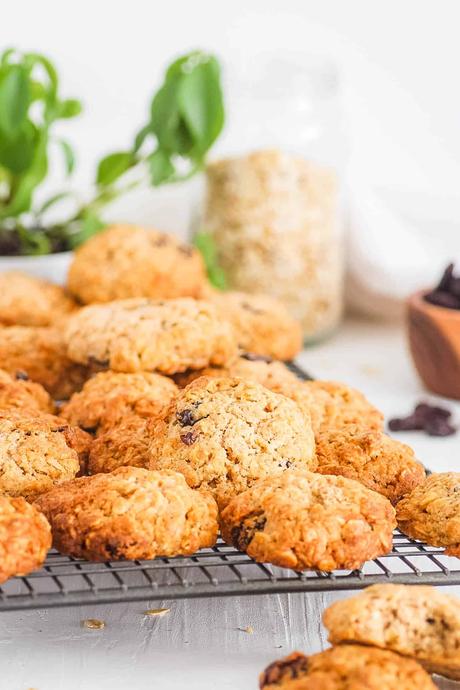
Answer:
x=34 y=242
x=176 y=68
x=165 y=116
x=9 y=52
x=201 y=104
x=161 y=167
x=207 y=248
x=14 y=99
x=69 y=156
x=141 y=136
x=113 y=166
x=17 y=154
x=53 y=200
x=32 y=177
x=89 y=226
x=32 y=59
x=69 y=108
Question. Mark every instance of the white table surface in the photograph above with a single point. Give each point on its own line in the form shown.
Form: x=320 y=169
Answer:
x=200 y=644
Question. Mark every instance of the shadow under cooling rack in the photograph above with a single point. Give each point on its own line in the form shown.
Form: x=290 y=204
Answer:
x=217 y=572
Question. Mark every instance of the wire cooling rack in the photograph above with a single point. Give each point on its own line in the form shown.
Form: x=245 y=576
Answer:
x=217 y=572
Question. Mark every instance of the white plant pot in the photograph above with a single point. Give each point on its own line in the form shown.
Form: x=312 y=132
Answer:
x=51 y=267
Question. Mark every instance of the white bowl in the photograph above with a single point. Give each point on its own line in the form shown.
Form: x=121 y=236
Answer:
x=51 y=267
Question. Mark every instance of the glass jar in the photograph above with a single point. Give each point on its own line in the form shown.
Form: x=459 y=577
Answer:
x=271 y=203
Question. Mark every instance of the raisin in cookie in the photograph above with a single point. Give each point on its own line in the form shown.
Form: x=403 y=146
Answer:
x=431 y=512
x=126 y=444
x=40 y=354
x=262 y=324
x=110 y=397
x=25 y=537
x=29 y=301
x=372 y=458
x=18 y=392
x=270 y=373
x=147 y=335
x=225 y=434
x=346 y=667
x=416 y=621
x=303 y=520
x=338 y=405
x=33 y=457
x=130 y=513
x=130 y=261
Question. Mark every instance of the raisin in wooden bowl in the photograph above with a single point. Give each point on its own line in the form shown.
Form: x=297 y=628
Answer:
x=434 y=340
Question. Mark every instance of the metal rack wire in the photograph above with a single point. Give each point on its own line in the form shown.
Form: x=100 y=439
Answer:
x=217 y=572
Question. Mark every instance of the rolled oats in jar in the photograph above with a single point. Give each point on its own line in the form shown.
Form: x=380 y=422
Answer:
x=274 y=220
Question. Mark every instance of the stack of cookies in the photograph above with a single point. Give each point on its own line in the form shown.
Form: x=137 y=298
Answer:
x=142 y=411
x=385 y=638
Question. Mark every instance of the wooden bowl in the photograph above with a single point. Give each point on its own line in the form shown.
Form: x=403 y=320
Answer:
x=434 y=340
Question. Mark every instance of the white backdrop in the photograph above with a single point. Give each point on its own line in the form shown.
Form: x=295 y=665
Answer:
x=399 y=62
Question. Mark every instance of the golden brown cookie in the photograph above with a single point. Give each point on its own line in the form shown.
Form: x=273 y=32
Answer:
x=338 y=405
x=416 y=621
x=272 y=374
x=18 y=392
x=262 y=324
x=29 y=301
x=147 y=335
x=76 y=439
x=372 y=458
x=108 y=398
x=25 y=537
x=126 y=444
x=431 y=512
x=130 y=261
x=33 y=457
x=302 y=520
x=346 y=667
x=226 y=434
x=130 y=513
x=40 y=354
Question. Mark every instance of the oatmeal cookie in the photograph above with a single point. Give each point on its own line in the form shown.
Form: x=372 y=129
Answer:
x=130 y=261
x=126 y=444
x=372 y=458
x=338 y=405
x=110 y=397
x=76 y=439
x=18 y=392
x=302 y=520
x=431 y=512
x=270 y=373
x=40 y=354
x=262 y=324
x=225 y=434
x=33 y=457
x=25 y=537
x=130 y=513
x=416 y=621
x=346 y=667
x=29 y=301
x=147 y=335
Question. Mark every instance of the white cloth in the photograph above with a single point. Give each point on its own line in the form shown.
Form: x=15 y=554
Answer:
x=389 y=257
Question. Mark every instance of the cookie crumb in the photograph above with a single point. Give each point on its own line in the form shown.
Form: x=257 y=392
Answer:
x=93 y=624
x=248 y=629
x=156 y=612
